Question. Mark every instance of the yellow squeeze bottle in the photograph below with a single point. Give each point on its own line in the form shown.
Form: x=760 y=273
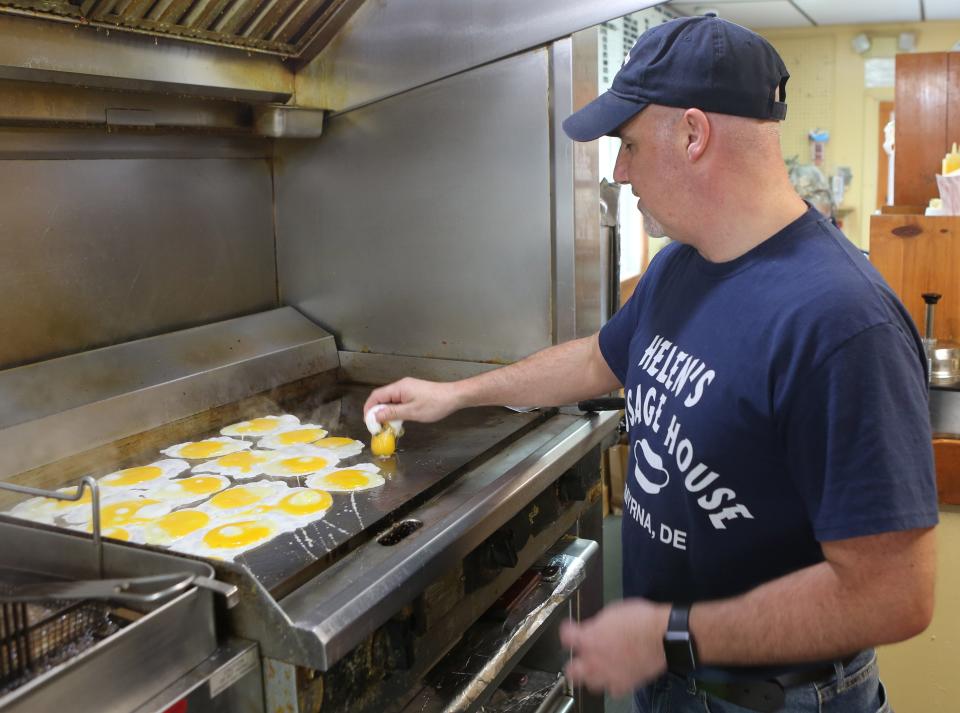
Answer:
x=951 y=162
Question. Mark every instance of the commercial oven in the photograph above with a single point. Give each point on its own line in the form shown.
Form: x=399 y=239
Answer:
x=218 y=211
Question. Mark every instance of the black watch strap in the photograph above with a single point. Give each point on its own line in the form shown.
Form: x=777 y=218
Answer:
x=678 y=644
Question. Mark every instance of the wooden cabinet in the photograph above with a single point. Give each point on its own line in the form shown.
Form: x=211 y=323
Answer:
x=928 y=122
x=917 y=254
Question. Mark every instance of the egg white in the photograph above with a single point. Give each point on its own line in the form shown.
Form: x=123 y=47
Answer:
x=371 y=474
x=276 y=441
x=127 y=479
x=347 y=449
x=243 y=428
x=230 y=445
x=177 y=491
x=237 y=472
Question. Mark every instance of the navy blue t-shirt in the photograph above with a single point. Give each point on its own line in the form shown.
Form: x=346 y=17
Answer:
x=773 y=402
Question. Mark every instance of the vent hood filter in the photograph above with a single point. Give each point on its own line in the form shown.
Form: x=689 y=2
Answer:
x=289 y=28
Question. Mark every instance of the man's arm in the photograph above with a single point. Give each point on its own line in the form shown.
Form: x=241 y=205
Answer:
x=869 y=591
x=557 y=375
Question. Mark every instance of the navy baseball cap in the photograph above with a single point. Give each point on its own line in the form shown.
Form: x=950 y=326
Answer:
x=691 y=63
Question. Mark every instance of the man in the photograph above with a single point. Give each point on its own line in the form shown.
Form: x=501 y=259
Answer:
x=776 y=403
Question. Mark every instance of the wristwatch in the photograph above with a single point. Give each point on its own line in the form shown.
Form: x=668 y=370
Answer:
x=678 y=643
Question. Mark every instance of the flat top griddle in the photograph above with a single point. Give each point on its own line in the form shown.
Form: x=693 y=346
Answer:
x=428 y=456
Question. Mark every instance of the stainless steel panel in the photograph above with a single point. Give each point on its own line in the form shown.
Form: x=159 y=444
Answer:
x=945 y=411
x=97 y=397
x=234 y=660
x=562 y=170
x=36 y=143
x=421 y=225
x=390 y=46
x=382 y=369
x=96 y=252
x=35 y=103
x=592 y=258
x=74 y=54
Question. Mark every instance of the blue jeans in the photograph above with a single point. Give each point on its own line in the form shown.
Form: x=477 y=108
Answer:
x=853 y=689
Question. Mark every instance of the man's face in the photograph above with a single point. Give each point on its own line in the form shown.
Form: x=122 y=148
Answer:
x=642 y=163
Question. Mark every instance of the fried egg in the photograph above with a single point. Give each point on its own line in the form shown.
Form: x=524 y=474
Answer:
x=119 y=513
x=143 y=477
x=174 y=526
x=242 y=496
x=46 y=510
x=301 y=504
x=209 y=448
x=188 y=490
x=343 y=447
x=240 y=465
x=304 y=434
x=258 y=427
x=362 y=476
x=300 y=461
x=226 y=541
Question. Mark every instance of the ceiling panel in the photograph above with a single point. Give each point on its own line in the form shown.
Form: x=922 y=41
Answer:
x=757 y=14
x=833 y=12
x=942 y=9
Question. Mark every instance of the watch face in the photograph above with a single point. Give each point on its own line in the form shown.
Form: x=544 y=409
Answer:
x=679 y=651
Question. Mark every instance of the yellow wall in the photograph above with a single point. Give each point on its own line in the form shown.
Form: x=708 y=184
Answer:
x=826 y=90
x=923 y=674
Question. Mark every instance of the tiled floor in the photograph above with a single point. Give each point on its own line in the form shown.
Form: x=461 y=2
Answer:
x=613 y=590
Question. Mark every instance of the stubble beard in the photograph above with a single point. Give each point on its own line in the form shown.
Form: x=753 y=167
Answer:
x=651 y=226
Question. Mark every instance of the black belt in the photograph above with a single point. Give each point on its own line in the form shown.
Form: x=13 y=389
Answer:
x=767 y=696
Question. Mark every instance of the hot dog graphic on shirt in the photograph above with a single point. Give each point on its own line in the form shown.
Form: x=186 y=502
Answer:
x=653 y=477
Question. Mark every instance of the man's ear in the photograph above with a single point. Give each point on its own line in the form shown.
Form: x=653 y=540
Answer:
x=696 y=127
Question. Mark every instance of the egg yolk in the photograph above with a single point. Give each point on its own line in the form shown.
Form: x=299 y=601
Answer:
x=348 y=478
x=237 y=534
x=132 y=476
x=333 y=442
x=122 y=513
x=304 y=464
x=234 y=498
x=201 y=449
x=183 y=522
x=384 y=444
x=306 y=502
x=244 y=460
x=301 y=435
x=200 y=484
x=258 y=425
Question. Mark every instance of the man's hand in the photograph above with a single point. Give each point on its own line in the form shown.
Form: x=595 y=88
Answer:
x=618 y=650
x=414 y=400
